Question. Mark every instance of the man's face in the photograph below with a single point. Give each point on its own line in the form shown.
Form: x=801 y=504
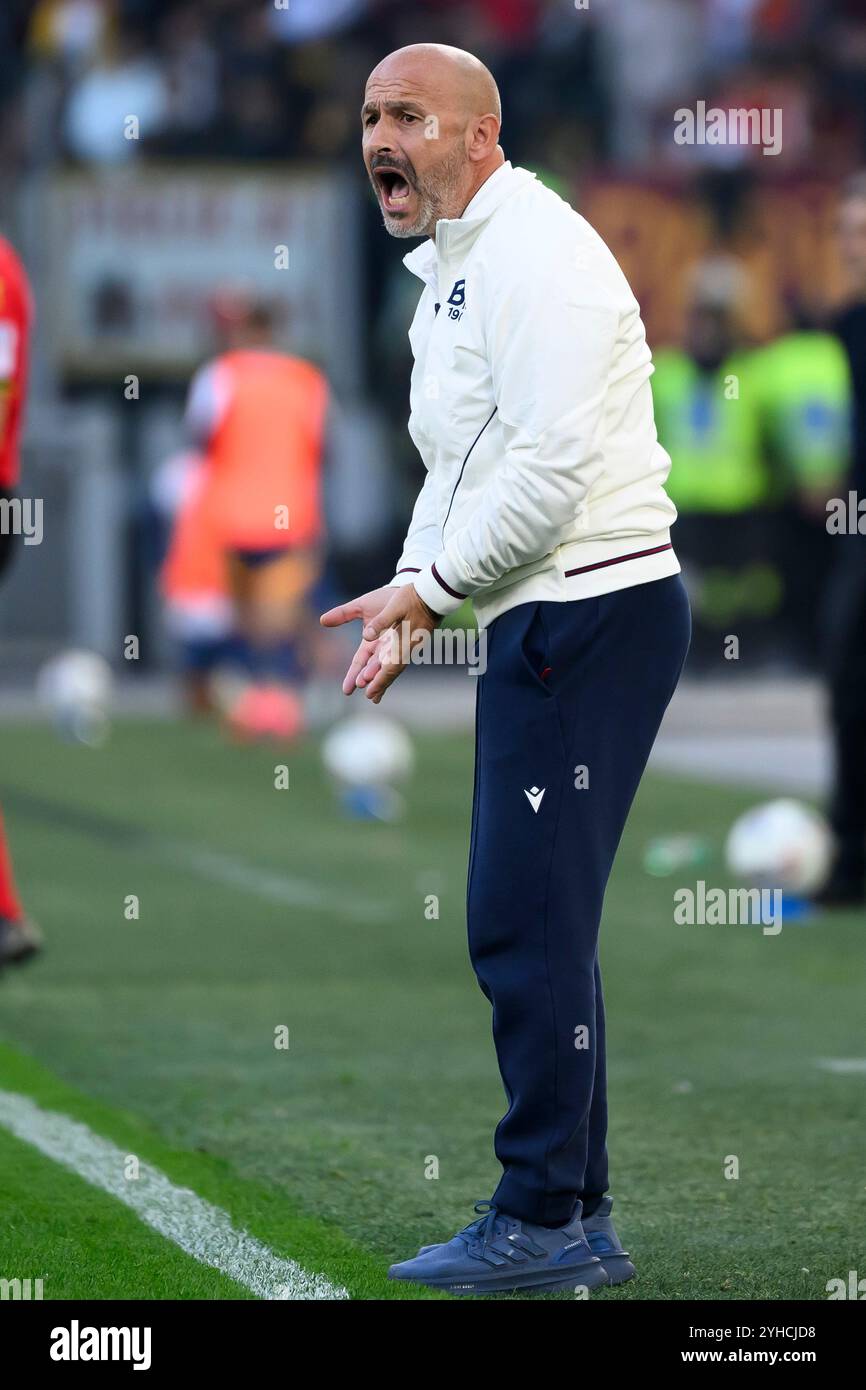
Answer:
x=414 y=152
x=710 y=335
x=852 y=241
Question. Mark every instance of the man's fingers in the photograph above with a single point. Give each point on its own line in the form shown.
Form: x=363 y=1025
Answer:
x=358 y=662
x=343 y=613
x=380 y=682
x=371 y=669
x=388 y=616
x=379 y=658
x=384 y=669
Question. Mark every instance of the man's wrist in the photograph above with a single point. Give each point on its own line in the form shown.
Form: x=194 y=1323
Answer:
x=434 y=587
x=434 y=617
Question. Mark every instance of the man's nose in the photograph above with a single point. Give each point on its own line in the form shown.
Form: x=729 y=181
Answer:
x=380 y=141
x=378 y=137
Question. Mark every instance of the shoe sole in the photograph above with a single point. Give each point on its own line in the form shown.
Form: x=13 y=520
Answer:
x=591 y=1275
x=22 y=954
x=619 y=1268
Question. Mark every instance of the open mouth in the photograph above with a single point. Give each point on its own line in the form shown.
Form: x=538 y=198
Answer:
x=394 y=188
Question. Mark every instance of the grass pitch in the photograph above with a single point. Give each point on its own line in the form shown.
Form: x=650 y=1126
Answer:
x=264 y=916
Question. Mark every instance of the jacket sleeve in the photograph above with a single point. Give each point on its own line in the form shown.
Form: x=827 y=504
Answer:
x=550 y=333
x=423 y=539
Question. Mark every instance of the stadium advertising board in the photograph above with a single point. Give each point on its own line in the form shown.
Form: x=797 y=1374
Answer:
x=143 y=256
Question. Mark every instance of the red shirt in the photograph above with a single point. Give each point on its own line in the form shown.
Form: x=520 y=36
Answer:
x=16 y=316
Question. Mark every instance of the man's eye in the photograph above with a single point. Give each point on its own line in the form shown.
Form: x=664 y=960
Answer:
x=370 y=118
x=408 y=116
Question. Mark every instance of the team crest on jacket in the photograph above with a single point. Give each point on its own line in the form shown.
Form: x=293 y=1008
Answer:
x=457 y=300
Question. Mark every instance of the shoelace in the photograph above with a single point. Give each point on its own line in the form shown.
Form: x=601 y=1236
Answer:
x=484 y=1229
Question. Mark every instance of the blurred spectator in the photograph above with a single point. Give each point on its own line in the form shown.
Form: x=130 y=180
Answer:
x=71 y=31
x=191 y=70
x=652 y=53
x=125 y=82
x=730 y=31
x=300 y=21
x=708 y=414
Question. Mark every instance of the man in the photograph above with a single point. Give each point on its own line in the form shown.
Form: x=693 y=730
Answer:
x=755 y=435
x=258 y=415
x=19 y=937
x=803 y=384
x=193 y=580
x=720 y=480
x=544 y=501
x=846 y=599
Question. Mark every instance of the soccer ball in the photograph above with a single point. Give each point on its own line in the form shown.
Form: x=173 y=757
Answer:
x=368 y=755
x=75 y=688
x=780 y=844
x=368 y=750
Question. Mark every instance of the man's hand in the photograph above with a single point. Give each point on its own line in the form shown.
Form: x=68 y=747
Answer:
x=395 y=620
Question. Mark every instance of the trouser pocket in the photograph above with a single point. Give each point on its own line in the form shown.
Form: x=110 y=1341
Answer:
x=535 y=648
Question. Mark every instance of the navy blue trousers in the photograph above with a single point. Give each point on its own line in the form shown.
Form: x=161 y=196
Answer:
x=567 y=712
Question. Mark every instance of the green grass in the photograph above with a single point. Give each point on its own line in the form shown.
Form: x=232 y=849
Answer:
x=713 y=1032
x=83 y=1245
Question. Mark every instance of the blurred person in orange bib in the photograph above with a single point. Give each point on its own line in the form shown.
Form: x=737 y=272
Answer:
x=19 y=937
x=193 y=579
x=258 y=416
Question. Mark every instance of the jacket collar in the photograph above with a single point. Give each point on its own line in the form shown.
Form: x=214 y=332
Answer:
x=454 y=235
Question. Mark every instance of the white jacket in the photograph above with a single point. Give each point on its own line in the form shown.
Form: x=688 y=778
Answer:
x=532 y=410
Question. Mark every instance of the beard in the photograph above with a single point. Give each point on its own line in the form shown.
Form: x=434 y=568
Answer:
x=438 y=196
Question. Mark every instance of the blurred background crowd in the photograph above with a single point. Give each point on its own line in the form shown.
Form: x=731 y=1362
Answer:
x=582 y=84
x=246 y=139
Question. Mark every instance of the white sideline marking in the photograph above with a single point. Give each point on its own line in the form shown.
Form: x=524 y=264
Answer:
x=213 y=866
x=177 y=1213
x=844 y=1066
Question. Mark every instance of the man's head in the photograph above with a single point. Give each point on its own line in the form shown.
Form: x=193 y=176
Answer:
x=852 y=231
x=430 y=121
x=240 y=320
x=718 y=290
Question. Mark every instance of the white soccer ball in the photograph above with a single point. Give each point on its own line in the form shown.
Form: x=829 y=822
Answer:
x=368 y=750
x=780 y=844
x=76 y=688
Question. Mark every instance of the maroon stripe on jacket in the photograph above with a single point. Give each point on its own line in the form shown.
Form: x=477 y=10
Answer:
x=619 y=559
x=447 y=587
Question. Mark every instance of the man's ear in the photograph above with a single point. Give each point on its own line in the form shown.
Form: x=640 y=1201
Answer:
x=483 y=138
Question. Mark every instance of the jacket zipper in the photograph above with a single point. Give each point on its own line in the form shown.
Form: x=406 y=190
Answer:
x=463 y=466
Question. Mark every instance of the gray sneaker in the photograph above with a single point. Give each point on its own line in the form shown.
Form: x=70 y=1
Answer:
x=500 y=1254
x=604 y=1242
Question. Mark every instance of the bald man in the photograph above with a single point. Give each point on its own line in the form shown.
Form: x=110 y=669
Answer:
x=544 y=503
